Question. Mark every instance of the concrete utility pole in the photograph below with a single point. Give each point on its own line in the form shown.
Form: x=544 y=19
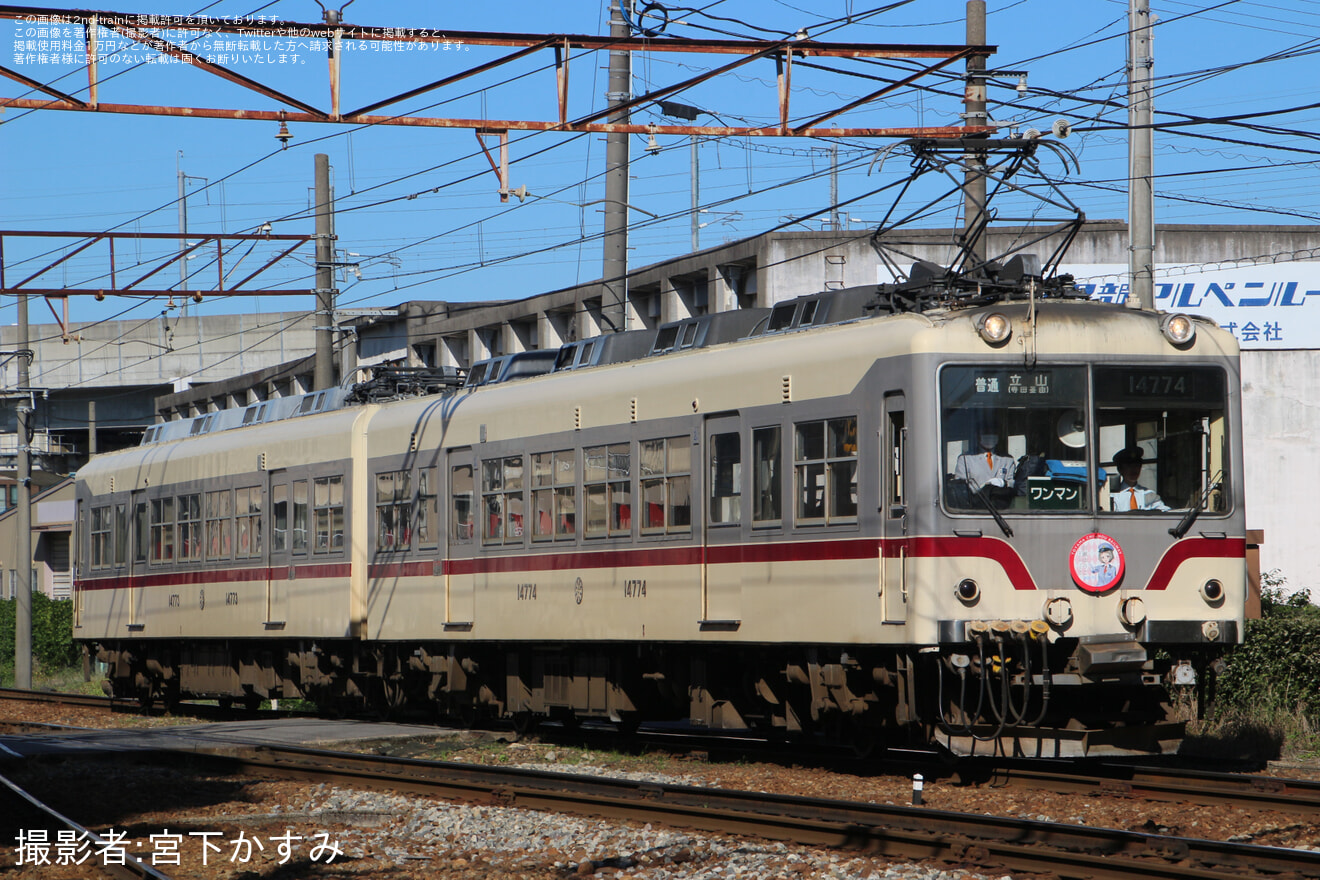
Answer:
x=975 y=114
x=1141 y=189
x=23 y=552
x=614 y=298
x=324 y=370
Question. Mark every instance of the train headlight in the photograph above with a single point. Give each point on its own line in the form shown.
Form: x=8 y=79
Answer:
x=1058 y=612
x=1132 y=612
x=1212 y=591
x=968 y=591
x=1178 y=329
x=994 y=328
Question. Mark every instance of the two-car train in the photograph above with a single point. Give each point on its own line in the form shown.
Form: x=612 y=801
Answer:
x=782 y=524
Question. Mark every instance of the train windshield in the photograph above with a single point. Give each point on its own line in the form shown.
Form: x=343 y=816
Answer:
x=1015 y=438
x=1162 y=435
x=1020 y=440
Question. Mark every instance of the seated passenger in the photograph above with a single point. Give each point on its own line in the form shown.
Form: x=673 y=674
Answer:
x=1131 y=495
x=985 y=468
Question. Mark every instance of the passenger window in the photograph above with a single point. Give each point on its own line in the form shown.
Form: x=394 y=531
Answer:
x=725 y=479
x=664 y=468
x=607 y=483
x=428 y=512
x=219 y=525
x=554 y=491
x=460 y=503
x=825 y=468
x=329 y=511
x=767 y=506
x=502 y=500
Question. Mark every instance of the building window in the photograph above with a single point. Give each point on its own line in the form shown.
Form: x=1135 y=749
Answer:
x=607 y=486
x=767 y=506
x=393 y=510
x=102 y=537
x=247 y=521
x=219 y=525
x=460 y=503
x=825 y=467
x=329 y=500
x=664 y=471
x=190 y=527
x=162 y=530
x=502 y=500
x=554 y=496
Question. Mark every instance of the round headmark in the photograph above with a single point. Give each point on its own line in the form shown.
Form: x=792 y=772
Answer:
x=1096 y=562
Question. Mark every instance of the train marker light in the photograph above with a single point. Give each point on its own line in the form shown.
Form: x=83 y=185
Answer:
x=994 y=328
x=968 y=591
x=1058 y=612
x=1178 y=329
x=1212 y=591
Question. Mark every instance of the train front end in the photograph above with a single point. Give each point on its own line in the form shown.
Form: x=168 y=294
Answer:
x=1084 y=565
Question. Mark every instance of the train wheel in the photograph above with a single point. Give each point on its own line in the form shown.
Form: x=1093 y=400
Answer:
x=525 y=723
x=628 y=723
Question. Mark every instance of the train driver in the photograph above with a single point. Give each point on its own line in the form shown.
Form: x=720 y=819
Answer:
x=1131 y=495
x=986 y=467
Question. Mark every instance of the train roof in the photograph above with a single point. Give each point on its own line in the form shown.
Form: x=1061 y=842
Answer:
x=929 y=288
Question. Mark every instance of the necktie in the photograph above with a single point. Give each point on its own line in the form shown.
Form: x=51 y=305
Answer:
x=990 y=461
x=1132 y=499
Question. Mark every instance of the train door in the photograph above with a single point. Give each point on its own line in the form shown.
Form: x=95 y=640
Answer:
x=721 y=584
x=279 y=570
x=460 y=541
x=893 y=511
x=137 y=568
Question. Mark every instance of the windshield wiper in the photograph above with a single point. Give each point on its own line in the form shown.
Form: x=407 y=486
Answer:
x=989 y=505
x=1198 y=505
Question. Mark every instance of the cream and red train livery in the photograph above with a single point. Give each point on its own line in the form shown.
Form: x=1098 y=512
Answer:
x=788 y=524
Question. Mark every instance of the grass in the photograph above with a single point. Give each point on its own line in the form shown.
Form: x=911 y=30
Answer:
x=62 y=679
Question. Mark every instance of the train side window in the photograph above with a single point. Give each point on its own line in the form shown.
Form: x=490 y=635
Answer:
x=554 y=496
x=825 y=468
x=393 y=510
x=328 y=497
x=190 y=527
x=121 y=534
x=428 y=514
x=767 y=454
x=141 y=531
x=279 y=518
x=247 y=521
x=781 y=317
x=299 y=536
x=607 y=486
x=664 y=469
x=725 y=479
x=219 y=525
x=162 y=530
x=502 y=500
x=460 y=503
x=102 y=536
x=896 y=444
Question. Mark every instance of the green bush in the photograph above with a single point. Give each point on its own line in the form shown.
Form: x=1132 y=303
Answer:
x=52 y=632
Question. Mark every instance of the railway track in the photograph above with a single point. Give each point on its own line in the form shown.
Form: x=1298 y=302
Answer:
x=987 y=842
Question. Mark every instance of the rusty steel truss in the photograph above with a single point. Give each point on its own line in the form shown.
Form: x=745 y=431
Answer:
x=139 y=27
x=71 y=244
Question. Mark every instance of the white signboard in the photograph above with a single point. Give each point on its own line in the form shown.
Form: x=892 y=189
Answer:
x=1272 y=305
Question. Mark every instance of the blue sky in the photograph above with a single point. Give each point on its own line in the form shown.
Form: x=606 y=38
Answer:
x=418 y=209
